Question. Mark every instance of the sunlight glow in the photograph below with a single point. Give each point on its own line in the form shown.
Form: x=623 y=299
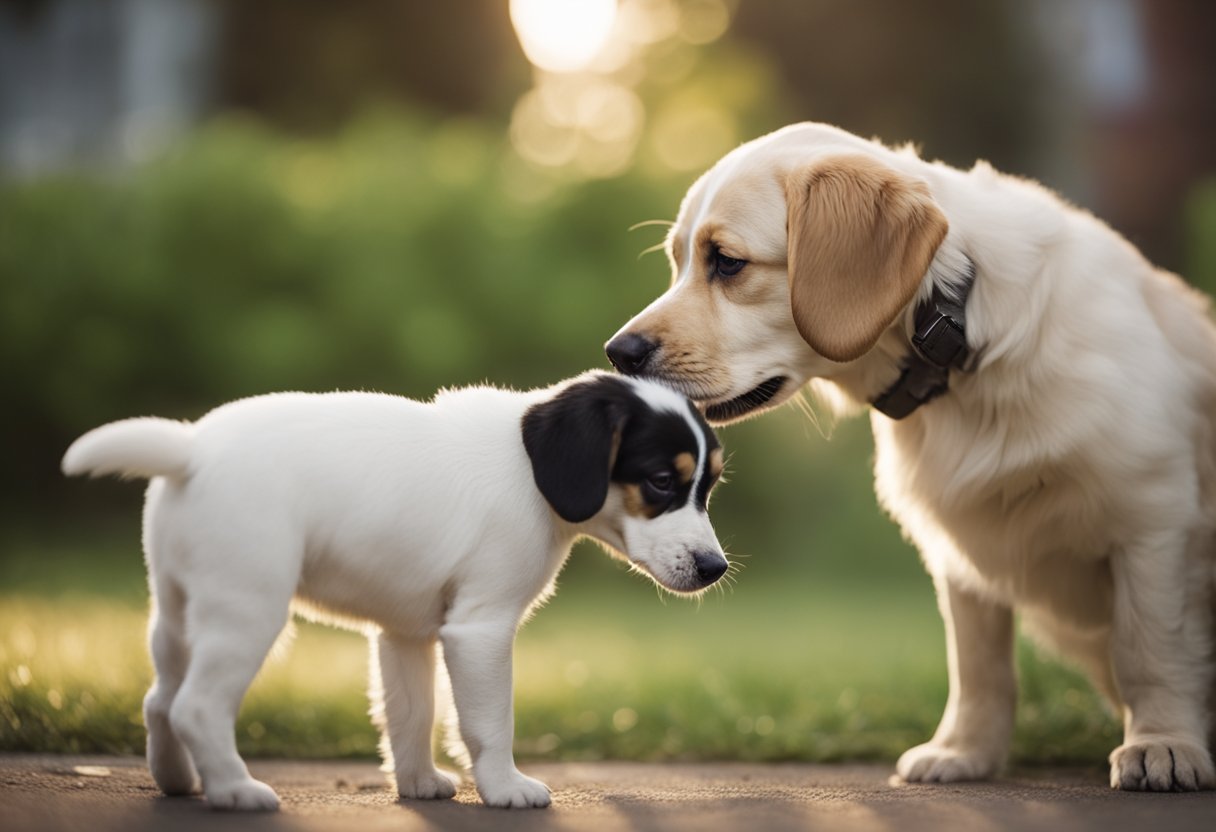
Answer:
x=620 y=82
x=562 y=35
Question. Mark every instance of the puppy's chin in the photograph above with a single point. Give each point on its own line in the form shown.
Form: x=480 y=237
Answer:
x=675 y=584
x=681 y=586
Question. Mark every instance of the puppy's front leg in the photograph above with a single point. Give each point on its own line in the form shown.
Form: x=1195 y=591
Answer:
x=973 y=738
x=478 y=657
x=403 y=707
x=1163 y=666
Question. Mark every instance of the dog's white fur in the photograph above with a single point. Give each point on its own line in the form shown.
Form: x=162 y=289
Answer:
x=1069 y=475
x=417 y=522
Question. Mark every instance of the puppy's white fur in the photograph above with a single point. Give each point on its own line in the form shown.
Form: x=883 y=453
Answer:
x=420 y=523
x=1070 y=474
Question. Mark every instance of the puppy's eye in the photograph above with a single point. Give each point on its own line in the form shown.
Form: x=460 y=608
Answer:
x=727 y=266
x=661 y=482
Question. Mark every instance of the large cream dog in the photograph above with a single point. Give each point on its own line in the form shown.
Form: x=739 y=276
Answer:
x=1048 y=417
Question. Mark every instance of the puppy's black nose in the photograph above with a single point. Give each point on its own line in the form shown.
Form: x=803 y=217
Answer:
x=629 y=353
x=710 y=566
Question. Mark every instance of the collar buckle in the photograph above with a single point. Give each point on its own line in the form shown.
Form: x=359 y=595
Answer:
x=939 y=345
x=942 y=341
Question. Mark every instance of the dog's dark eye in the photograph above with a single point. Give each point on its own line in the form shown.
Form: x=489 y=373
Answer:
x=661 y=482
x=727 y=266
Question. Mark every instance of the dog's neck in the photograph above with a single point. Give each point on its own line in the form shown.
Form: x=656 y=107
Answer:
x=912 y=363
x=938 y=346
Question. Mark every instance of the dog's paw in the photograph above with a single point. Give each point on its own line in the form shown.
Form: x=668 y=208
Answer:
x=1161 y=765
x=434 y=784
x=933 y=763
x=243 y=796
x=513 y=791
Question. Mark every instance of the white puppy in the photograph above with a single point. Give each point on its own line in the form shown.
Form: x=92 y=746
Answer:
x=422 y=523
x=1044 y=414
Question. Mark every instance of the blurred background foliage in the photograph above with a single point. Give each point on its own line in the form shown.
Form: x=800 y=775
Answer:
x=208 y=199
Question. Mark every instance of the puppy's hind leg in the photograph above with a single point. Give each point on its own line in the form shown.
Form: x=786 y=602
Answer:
x=230 y=635
x=402 y=693
x=168 y=758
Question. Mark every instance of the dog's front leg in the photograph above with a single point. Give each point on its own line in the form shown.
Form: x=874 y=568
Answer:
x=478 y=658
x=1163 y=666
x=973 y=738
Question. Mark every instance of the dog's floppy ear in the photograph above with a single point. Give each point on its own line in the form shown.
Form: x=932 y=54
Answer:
x=861 y=237
x=572 y=440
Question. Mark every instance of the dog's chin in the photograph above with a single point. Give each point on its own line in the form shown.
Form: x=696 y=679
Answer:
x=766 y=395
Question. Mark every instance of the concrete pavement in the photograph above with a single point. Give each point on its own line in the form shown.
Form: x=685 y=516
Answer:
x=51 y=794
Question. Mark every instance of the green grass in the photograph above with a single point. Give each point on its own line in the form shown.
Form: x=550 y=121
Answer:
x=773 y=670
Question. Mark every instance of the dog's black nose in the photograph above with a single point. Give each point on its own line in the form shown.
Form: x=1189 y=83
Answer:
x=629 y=352
x=710 y=566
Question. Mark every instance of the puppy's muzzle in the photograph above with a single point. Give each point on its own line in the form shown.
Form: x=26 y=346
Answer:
x=710 y=566
x=630 y=353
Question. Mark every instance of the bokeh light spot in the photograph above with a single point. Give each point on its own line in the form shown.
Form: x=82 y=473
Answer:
x=577 y=674
x=703 y=21
x=624 y=719
x=650 y=21
x=562 y=35
x=691 y=136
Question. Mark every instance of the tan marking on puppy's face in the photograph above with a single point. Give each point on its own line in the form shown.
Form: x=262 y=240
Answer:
x=685 y=466
x=716 y=463
x=636 y=505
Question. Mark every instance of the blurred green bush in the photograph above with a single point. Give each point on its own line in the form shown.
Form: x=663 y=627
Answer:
x=401 y=255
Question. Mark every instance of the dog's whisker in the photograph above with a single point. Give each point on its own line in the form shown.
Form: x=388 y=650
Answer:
x=645 y=223
x=651 y=249
x=803 y=405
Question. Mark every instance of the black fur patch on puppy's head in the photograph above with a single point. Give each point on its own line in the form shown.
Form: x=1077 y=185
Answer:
x=600 y=429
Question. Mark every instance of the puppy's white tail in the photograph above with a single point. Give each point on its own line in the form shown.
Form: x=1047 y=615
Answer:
x=146 y=447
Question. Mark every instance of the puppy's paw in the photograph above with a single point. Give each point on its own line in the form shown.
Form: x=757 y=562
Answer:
x=513 y=791
x=243 y=796
x=178 y=785
x=434 y=784
x=175 y=776
x=1161 y=764
x=169 y=761
x=934 y=763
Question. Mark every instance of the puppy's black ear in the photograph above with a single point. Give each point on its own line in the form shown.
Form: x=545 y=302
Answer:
x=572 y=441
